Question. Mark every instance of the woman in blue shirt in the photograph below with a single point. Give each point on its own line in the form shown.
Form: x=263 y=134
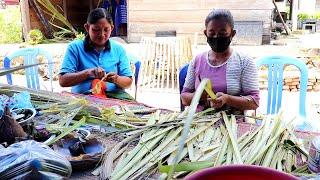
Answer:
x=94 y=57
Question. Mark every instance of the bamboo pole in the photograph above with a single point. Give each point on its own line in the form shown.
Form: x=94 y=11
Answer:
x=168 y=65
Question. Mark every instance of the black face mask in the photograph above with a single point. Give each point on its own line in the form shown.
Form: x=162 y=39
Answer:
x=219 y=44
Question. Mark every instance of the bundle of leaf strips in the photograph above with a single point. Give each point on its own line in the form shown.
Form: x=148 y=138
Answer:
x=65 y=113
x=126 y=120
x=188 y=145
x=270 y=145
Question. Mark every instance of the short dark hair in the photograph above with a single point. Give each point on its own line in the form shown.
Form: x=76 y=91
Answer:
x=217 y=14
x=97 y=14
x=93 y=17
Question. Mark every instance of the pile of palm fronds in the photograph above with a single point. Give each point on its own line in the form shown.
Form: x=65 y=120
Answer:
x=211 y=141
x=57 y=116
x=47 y=102
x=63 y=114
x=176 y=144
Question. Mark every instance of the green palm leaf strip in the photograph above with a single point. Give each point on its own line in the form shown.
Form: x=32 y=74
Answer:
x=68 y=130
x=4 y=72
x=192 y=110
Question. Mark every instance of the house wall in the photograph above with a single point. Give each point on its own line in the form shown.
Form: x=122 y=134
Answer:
x=186 y=17
x=317 y=5
x=307 y=5
x=145 y=17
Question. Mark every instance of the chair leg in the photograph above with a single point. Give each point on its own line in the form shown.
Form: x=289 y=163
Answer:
x=135 y=92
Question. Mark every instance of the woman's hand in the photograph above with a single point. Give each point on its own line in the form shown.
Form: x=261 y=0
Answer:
x=71 y=79
x=121 y=81
x=96 y=73
x=239 y=102
x=220 y=101
x=112 y=77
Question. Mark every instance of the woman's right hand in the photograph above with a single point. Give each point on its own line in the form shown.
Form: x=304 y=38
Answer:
x=96 y=73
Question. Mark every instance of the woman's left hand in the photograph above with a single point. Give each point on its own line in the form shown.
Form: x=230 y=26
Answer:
x=220 y=101
x=112 y=77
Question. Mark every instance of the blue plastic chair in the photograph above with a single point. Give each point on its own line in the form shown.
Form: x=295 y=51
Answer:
x=137 y=65
x=29 y=56
x=182 y=77
x=275 y=66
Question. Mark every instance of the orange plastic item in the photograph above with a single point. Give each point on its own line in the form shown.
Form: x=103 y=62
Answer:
x=98 y=88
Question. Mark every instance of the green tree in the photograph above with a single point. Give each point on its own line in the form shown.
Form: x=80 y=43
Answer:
x=10 y=25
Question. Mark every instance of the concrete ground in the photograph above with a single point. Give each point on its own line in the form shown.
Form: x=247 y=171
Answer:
x=170 y=100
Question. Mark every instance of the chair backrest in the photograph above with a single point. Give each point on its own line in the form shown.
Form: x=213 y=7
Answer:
x=182 y=77
x=137 y=65
x=29 y=56
x=275 y=66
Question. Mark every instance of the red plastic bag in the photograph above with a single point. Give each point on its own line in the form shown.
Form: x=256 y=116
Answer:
x=99 y=88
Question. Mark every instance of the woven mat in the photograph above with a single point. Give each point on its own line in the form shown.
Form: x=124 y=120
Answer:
x=133 y=106
x=106 y=102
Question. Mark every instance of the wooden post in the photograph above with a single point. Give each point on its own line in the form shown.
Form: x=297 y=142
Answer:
x=282 y=21
x=294 y=12
x=65 y=11
x=290 y=10
x=25 y=18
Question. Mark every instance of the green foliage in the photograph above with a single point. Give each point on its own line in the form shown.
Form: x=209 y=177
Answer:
x=80 y=36
x=316 y=15
x=303 y=16
x=35 y=36
x=10 y=25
